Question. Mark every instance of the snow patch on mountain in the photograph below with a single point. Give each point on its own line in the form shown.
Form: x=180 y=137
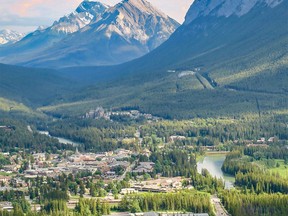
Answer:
x=97 y=35
x=137 y=20
x=86 y=12
x=226 y=8
x=8 y=36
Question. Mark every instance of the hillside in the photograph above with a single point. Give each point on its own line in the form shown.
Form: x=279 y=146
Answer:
x=213 y=65
x=33 y=87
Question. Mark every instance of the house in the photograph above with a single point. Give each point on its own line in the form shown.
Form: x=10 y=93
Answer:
x=146 y=152
x=39 y=156
x=11 y=168
x=271 y=139
x=144 y=167
x=174 y=138
x=6 y=206
x=128 y=191
x=17 y=182
x=6 y=128
x=110 y=175
x=5 y=179
x=261 y=140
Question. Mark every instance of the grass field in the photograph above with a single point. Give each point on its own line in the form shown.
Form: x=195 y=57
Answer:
x=7 y=105
x=282 y=169
x=6 y=174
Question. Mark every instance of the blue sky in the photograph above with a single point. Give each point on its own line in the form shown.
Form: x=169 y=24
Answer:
x=26 y=15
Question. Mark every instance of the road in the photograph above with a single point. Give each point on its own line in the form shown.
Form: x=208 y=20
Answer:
x=29 y=129
x=129 y=169
x=138 y=136
x=219 y=208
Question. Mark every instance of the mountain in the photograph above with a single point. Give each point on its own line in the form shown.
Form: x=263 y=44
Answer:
x=86 y=12
x=224 y=8
x=43 y=38
x=8 y=36
x=124 y=32
x=215 y=64
x=218 y=62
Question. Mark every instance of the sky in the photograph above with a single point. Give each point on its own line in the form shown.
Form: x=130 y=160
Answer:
x=26 y=15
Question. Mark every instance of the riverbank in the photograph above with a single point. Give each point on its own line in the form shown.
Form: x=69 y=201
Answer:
x=213 y=163
x=60 y=139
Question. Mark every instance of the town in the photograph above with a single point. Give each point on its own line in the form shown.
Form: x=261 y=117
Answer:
x=128 y=163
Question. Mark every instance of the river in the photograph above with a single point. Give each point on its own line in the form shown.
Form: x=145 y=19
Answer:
x=61 y=140
x=213 y=163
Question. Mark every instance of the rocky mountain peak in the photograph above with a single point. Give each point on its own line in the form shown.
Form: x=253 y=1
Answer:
x=85 y=13
x=141 y=5
x=225 y=8
x=8 y=36
x=137 y=20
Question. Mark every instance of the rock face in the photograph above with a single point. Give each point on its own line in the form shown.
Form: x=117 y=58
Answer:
x=118 y=34
x=8 y=36
x=137 y=20
x=85 y=13
x=231 y=49
x=224 y=8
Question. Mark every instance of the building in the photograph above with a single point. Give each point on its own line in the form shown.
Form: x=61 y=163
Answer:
x=261 y=140
x=128 y=191
x=5 y=179
x=271 y=139
x=6 y=206
x=144 y=167
x=174 y=138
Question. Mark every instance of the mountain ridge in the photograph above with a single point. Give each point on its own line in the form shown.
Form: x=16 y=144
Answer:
x=124 y=32
x=43 y=38
x=224 y=8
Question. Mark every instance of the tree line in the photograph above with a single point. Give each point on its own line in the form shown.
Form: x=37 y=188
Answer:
x=177 y=201
x=262 y=182
x=239 y=204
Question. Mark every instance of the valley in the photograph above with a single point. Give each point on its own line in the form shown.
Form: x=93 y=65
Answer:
x=120 y=110
x=127 y=156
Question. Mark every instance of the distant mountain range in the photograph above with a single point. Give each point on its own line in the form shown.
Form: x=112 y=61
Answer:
x=229 y=57
x=8 y=36
x=94 y=34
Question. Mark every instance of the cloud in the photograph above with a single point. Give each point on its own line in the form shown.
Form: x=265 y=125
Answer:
x=11 y=19
x=31 y=8
x=26 y=7
x=176 y=9
x=33 y=13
